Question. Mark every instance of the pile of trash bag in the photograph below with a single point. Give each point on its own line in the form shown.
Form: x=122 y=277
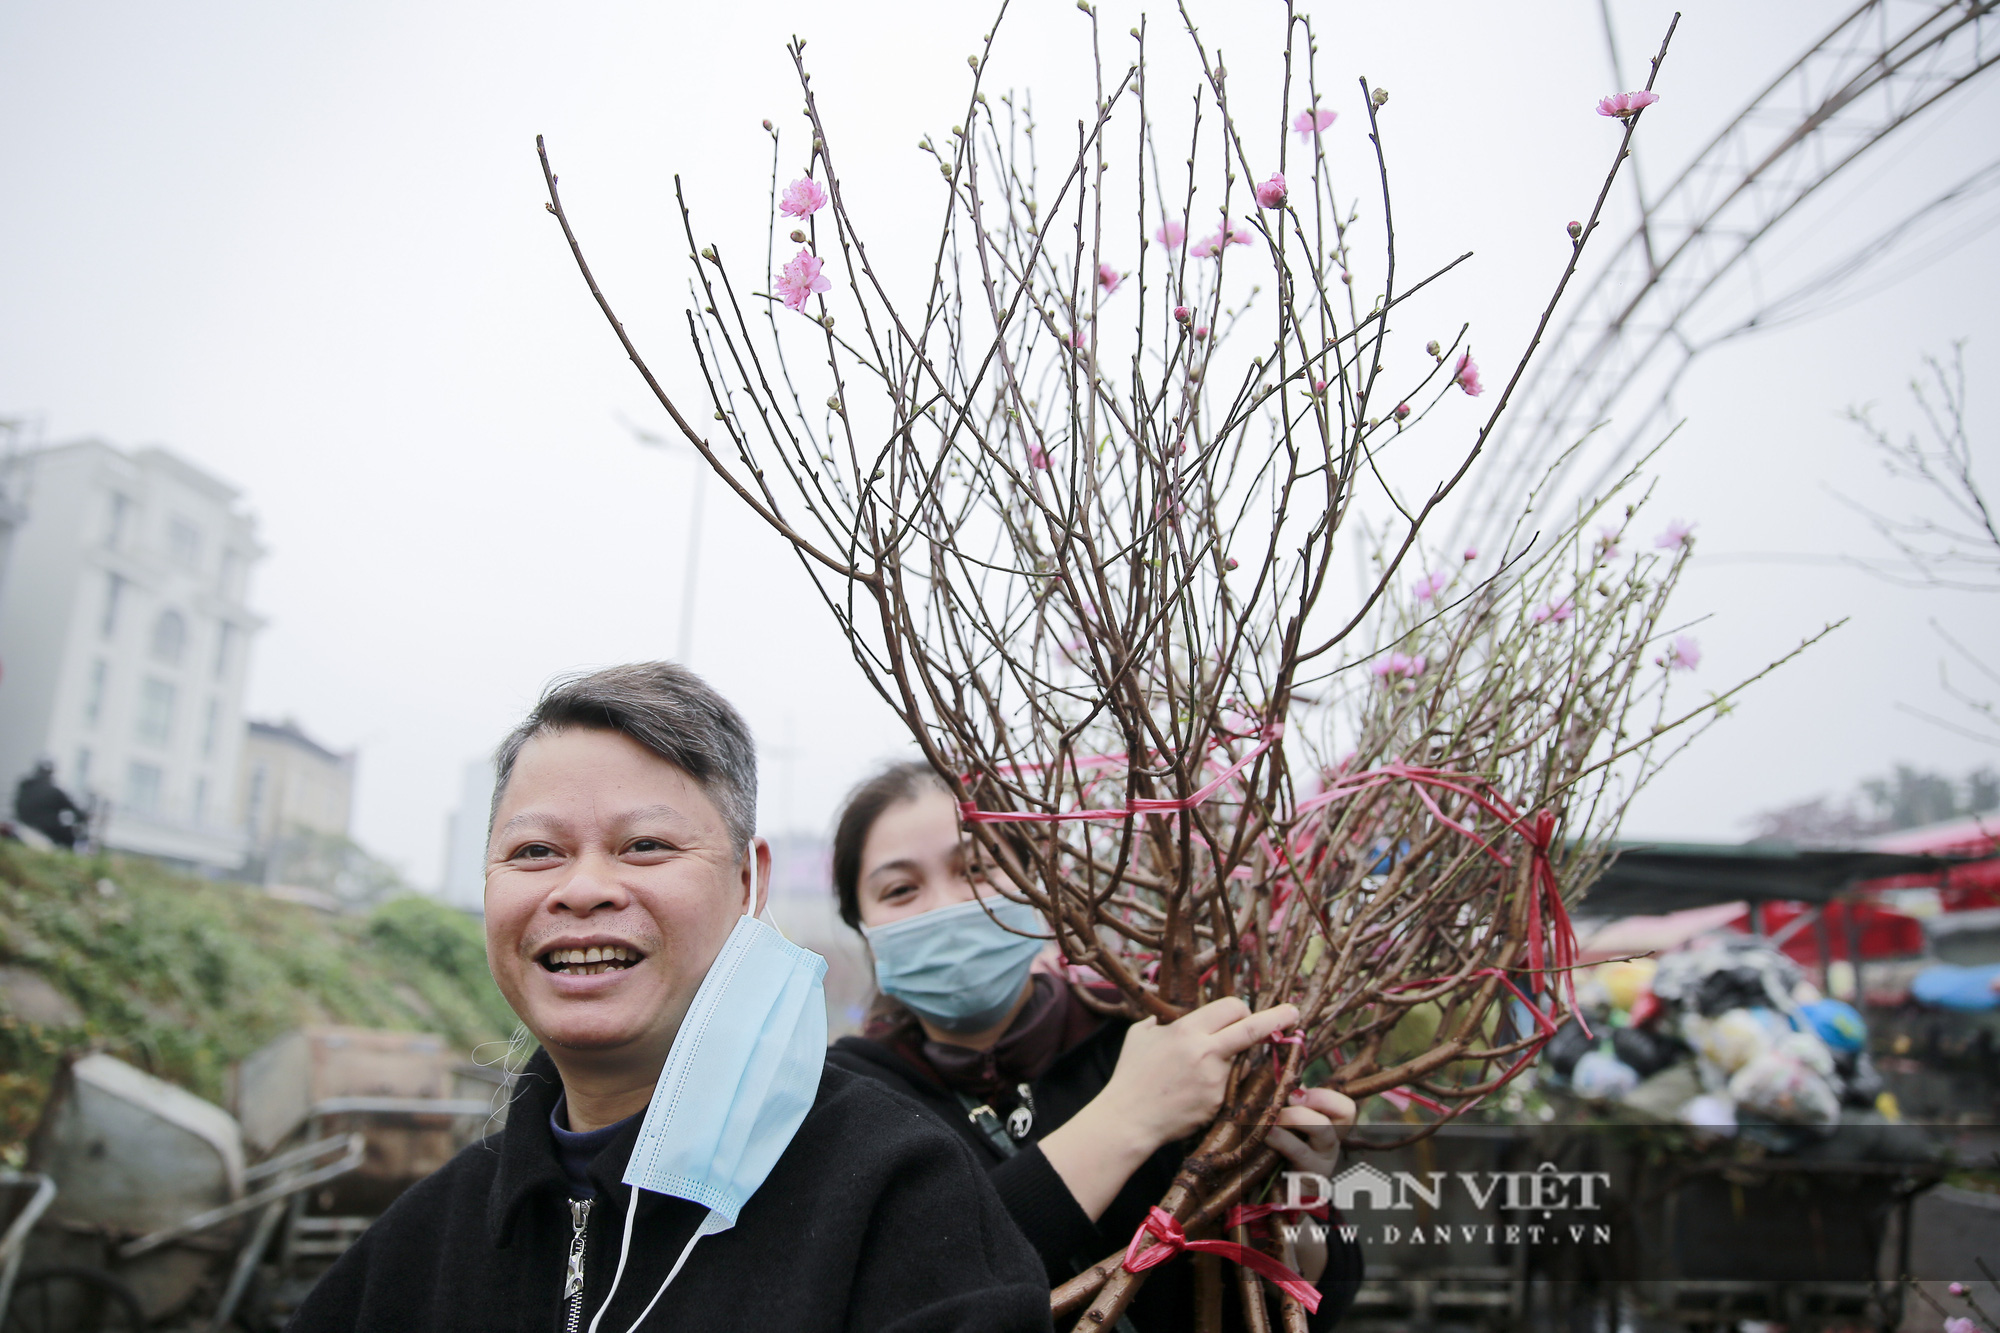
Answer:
x=1723 y=1035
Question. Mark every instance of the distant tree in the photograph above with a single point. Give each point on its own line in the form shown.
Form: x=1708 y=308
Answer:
x=1907 y=798
x=1959 y=551
x=332 y=864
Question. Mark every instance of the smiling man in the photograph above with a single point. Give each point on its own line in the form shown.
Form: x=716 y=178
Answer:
x=676 y=1154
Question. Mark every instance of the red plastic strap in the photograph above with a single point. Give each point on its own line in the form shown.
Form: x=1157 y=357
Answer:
x=1538 y=831
x=1243 y=1214
x=1161 y=1225
x=972 y=814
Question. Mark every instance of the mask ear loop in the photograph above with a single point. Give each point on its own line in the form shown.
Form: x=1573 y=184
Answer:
x=750 y=859
x=624 y=1252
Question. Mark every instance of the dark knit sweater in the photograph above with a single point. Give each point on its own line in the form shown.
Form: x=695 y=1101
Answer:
x=1042 y=1205
x=874 y=1219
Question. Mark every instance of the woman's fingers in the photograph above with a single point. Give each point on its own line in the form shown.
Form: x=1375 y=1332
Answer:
x=1214 y=1016
x=1292 y=1148
x=1253 y=1028
x=1337 y=1107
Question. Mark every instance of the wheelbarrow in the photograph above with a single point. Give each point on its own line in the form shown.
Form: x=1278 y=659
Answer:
x=154 y=1204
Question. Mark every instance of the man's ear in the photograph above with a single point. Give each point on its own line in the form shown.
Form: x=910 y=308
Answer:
x=756 y=876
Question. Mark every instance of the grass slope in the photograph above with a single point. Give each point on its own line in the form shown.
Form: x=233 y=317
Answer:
x=181 y=976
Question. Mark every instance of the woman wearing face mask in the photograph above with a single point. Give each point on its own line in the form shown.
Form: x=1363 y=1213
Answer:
x=1082 y=1120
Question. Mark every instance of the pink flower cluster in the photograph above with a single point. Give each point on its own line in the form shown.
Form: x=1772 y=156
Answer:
x=802 y=198
x=1399 y=665
x=1626 y=105
x=1466 y=375
x=1683 y=655
x=1108 y=278
x=799 y=280
x=1553 y=612
x=1309 y=123
x=1171 y=234
x=1227 y=234
x=1430 y=585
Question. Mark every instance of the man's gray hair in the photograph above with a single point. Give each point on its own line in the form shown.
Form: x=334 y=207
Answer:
x=669 y=710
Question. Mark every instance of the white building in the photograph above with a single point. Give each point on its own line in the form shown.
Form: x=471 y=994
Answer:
x=124 y=638
x=464 y=882
x=289 y=786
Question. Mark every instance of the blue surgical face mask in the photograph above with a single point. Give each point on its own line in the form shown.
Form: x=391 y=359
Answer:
x=742 y=1074
x=958 y=966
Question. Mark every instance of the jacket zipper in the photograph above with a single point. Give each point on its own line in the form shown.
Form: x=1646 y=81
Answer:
x=579 y=1221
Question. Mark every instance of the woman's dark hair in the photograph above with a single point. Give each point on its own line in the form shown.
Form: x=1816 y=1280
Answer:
x=865 y=804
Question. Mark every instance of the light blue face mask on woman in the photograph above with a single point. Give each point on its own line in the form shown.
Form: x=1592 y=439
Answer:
x=957 y=966
x=742 y=1074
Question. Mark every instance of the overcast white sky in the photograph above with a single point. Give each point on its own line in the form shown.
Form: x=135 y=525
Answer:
x=305 y=247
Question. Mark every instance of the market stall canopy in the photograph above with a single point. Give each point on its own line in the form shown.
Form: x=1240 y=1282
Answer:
x=1653 y=879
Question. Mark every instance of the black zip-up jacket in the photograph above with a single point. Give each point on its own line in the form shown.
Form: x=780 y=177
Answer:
x=874 y=1220
x=1035 y=1196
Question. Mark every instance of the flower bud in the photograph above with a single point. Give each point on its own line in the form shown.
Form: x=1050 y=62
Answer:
x=1201 y=333
x=708 y=253
x=1380 y=97
x=1575 y=230
x=1319 y=386
x=1433 y=348
x=720 y=417
x=826 y=321
x=972 y=61
x=834 y=403
x=1230 y=563
x=1347 y=277
x=798 y=237
x=1182 y=314
x=1402 y=410
x=767 y=124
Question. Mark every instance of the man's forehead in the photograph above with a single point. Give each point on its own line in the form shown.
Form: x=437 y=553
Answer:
x=557 y=818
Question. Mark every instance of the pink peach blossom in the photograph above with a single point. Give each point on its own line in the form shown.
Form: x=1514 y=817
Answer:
x=1471 y=554
x=1625 y=105
x=1399 y=664
x=1271 y=194
x=1227 y=234
x=1182 y=314
x=1430 y=585
x=1402 y=410
x=1108 y=278
x=1553 y=612
x=1685 y=655
x=802 y=197
x=1038 y=457
x=1171 y=234
x=1201 y=333
x=1958 y=1323
x=1607 y=543
x=1309 y=123
x=1675 y=536
x=1466 y=375
x=1319 y=386
x=801 y=278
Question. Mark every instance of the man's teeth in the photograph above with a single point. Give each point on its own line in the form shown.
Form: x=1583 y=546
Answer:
x=589 y=962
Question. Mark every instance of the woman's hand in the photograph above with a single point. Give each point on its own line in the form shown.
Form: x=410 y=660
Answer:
x=1168 y=1083
x=1317 y=1117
